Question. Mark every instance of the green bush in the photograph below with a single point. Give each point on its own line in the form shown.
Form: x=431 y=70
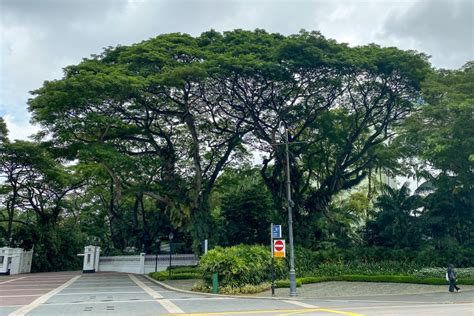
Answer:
x=309 y=280
x=184 y=269
x=381 y=260
x=286 y=283
x=201 y=286
x=383 y=278
x=164 y=275
x=239 y=265
x=245 y=289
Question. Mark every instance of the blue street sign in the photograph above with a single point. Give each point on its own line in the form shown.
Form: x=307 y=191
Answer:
x=276 y=231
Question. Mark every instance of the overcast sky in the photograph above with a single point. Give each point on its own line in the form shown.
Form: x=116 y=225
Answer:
x=40 y=37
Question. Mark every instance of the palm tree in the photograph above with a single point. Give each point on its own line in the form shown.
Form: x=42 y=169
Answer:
x=395 y=224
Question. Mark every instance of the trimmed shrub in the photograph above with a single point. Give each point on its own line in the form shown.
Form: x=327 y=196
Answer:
x=164 y=275
x=286 y=283
x=184 y=269
x=383 y=279
x=245 y=289
x=239 y=265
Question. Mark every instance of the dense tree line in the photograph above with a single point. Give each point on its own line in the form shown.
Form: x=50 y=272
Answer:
x=181 y=133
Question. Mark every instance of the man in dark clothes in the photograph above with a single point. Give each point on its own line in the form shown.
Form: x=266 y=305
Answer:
x=451 y=276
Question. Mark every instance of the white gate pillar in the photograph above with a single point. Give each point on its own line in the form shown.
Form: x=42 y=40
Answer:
x=15 y=260
x=142 y=263
x=91 y=259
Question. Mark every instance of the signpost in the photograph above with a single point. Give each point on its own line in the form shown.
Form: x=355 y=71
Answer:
x=278 y=249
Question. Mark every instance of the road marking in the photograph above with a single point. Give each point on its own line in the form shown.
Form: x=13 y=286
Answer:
x=97 y=302
x=410 y=306
x=13 y=280
x=102 y=287
x=284 y=311
x=10 y=290
x=20 y=295
x=300 y=304
x=167 y=304
x=42 y=299
x=20 y=286
x=338 y=312
x=98 y=293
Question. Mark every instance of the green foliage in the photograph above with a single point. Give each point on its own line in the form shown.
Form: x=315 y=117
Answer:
x=440 y=135
x=374 y=278
x=239 y=265
x=240 y=197
x=164 y=275
x=184 y=269
x=160 y=120
x=286 y=283
x=201 y=286
x=462 y=273
x=244 y=289
x=395 y=224
x=56 y=248
x=3 y=131
x=158 y=136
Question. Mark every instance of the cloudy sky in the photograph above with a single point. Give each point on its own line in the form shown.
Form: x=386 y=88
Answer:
x=40 y=37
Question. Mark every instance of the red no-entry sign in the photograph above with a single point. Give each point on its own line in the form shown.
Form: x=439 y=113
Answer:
x=279 y=248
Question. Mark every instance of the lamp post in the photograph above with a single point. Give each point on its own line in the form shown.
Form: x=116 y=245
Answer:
x=170 y=236
x=157 y=243
x=290 y=218
x=290 y=205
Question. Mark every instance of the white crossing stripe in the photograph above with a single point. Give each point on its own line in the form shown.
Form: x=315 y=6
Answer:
x=19 y=295
x=13 y=280
x=300 y=304
x=167 y=304
x=98 y=293
x=42 y=299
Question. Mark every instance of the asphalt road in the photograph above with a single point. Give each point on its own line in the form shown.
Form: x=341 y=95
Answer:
x=127 y=294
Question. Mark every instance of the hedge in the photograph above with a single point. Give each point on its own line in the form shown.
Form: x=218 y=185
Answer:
x=164 y=275
x=374 y=278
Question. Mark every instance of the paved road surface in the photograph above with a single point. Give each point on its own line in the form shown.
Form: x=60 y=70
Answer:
x=126 y=294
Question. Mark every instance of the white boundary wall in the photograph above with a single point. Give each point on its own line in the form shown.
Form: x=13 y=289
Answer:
x=142 y=263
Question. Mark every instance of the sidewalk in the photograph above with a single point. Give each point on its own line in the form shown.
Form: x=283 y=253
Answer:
x=363 y=291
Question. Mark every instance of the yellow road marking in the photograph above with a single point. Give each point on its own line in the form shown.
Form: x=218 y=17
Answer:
x=339 y=312
x=284 y=312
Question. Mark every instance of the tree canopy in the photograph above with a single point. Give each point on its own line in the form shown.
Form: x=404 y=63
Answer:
x=181 y=133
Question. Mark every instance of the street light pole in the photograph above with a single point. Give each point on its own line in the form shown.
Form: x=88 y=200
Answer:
x=290 y=218
x=171 y=239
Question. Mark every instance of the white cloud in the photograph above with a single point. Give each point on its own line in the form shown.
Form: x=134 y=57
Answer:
x=19 y=128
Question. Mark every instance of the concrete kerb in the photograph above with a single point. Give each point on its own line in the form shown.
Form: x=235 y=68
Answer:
x=169 y=287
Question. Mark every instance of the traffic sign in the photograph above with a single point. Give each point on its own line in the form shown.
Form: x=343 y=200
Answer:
x=276 y=231
x=279 y=248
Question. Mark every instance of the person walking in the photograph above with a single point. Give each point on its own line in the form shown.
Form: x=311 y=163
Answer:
x=451 y=278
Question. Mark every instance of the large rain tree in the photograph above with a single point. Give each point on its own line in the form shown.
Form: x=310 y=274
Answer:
x=176 y=110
